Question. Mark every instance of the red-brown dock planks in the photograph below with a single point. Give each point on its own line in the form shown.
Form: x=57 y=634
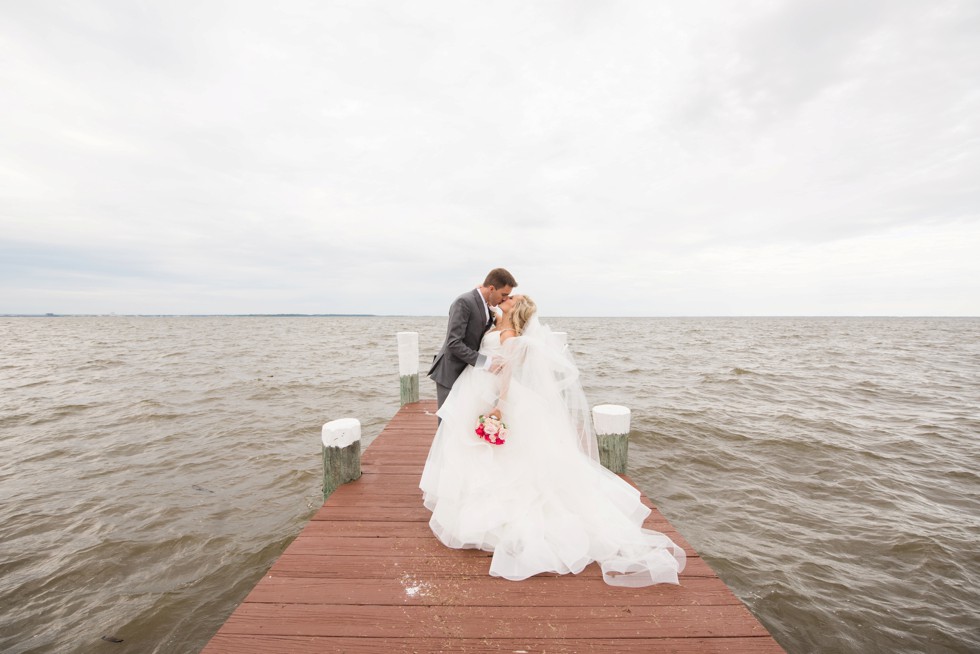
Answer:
x=367 y=575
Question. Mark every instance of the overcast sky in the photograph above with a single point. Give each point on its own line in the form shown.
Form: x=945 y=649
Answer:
x=635 y=158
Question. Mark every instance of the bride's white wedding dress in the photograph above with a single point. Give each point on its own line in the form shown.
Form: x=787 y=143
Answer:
x=541 y=502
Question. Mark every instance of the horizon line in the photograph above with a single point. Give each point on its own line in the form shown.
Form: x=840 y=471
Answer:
x=405 y=315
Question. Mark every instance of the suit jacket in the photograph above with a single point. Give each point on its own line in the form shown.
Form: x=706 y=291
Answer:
x=467 y=325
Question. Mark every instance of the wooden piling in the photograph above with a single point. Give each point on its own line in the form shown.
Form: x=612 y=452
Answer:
x=341 y=443
x=408 y=366
x=612 y=428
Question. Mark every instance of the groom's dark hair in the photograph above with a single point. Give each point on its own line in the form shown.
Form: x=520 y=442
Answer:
x=498 y=278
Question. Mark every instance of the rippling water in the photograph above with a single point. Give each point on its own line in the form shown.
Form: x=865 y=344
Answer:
x=154 y=468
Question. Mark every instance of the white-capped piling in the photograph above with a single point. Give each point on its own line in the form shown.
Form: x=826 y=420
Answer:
x=341 y=453
x=408 y=366
x=560 y=339
x=612 y=430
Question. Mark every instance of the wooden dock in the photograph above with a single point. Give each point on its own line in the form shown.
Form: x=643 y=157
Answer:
x=367 y=575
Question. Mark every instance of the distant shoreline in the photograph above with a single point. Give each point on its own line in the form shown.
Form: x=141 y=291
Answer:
x=399 y=315
x=188 y=315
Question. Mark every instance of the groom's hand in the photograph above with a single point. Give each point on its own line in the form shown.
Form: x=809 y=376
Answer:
x=496 y=364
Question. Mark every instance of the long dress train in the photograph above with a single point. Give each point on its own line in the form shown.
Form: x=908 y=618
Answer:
x=541 y=502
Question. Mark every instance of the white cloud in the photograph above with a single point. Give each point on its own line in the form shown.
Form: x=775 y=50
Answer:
x=622 y=158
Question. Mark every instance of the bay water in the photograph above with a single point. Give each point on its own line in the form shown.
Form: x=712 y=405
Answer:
x=153 y=468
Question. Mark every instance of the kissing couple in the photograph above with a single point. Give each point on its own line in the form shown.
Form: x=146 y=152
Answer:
x=540 y=501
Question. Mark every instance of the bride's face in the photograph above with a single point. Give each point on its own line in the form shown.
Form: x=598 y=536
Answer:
x=507 y=304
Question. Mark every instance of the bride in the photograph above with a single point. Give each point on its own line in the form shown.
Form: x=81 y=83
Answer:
x=541 y=502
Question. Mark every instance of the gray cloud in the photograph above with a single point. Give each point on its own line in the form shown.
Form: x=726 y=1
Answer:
x=623 y=158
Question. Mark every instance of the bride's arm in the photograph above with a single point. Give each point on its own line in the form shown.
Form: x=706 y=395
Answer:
x=505 y=373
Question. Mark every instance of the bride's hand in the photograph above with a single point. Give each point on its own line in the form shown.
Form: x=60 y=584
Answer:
x=496 y=413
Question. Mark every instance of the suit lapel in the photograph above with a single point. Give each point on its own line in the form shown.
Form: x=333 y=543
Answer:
x=478 y=301
x=480 y=304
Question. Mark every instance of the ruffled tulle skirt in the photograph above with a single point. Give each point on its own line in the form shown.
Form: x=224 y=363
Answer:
x=536 y=502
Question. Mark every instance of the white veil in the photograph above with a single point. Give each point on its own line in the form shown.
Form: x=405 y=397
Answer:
x=538 y=361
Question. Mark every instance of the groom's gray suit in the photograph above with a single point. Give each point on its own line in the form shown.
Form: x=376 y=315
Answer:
x=467 y=324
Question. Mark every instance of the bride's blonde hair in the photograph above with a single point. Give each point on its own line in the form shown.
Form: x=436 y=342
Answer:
x=524 y=308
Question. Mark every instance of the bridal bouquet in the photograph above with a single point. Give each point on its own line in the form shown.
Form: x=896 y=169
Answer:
x=491 y=429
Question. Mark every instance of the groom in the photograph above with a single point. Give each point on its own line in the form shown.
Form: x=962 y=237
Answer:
x=469 y=319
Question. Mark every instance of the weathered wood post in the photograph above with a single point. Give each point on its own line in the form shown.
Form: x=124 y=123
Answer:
x=341 y=453
x=612 y=430
x=408 y=366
